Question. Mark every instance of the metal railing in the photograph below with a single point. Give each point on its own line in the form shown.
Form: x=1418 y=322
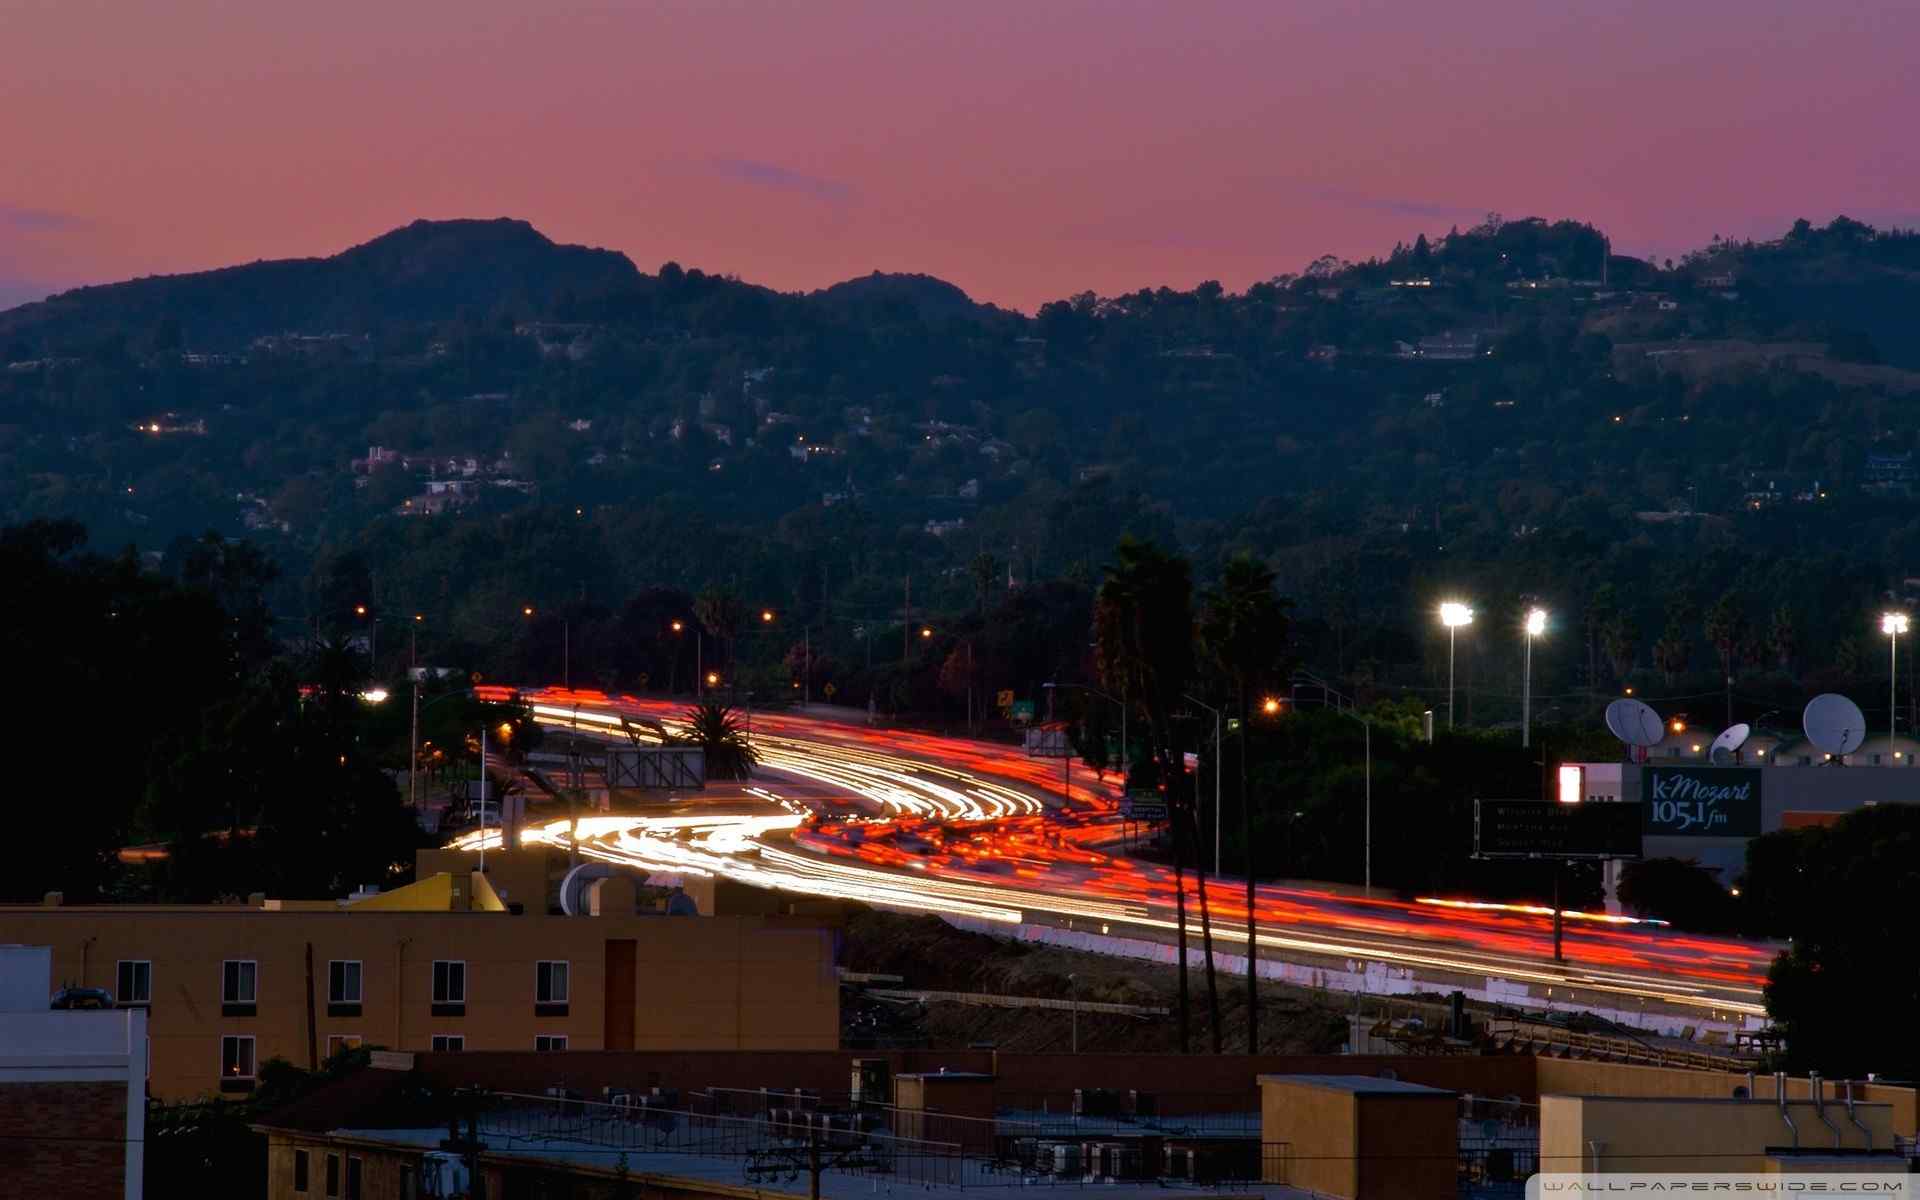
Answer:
x=786 y=1144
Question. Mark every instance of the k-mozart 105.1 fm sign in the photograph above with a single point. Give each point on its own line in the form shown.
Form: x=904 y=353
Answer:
x=1701 y=801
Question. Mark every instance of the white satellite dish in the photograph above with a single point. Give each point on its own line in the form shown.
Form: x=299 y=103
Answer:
x=1834 y=723
x=1635 y=724
x=1731 y=739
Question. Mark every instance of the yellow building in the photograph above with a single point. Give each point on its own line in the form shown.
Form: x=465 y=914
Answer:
x=440 y=965
x=1640 y=1134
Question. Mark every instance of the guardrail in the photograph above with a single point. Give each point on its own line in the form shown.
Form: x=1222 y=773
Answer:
x=789 y=1144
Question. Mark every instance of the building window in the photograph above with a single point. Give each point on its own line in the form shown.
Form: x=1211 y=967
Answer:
x=343 y=987
x=300 y=1171
x=239 y=987
x=333 y=1176
x=409 y=1182
x=449 y=988
x=550 y=1041
x=336 y=1042
x=353 y=1179
x=449 y=1043
x=236 y=1062
x=133 y=982
x=550 y=988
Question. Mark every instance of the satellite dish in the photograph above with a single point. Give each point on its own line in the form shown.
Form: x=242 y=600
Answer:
x=1634 y=723
x=1834 y=723
x=1731 y=739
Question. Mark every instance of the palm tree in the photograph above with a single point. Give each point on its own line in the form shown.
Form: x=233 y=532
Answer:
x=1621 y=638
x=984 y=568
x=1245 y=633
x=722 y=615
x=1725 y=626
x=1143 y=636
x=716 y=729
x=1783 y=636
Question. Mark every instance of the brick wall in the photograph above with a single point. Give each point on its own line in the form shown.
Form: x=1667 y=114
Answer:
x=63 y=1139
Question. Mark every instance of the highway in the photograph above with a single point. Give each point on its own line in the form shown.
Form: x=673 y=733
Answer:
x=980 y=831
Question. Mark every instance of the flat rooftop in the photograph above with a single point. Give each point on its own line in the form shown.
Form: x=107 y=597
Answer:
x=782 y=1171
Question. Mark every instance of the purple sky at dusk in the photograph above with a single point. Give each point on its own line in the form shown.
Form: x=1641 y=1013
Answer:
x=1023 y=150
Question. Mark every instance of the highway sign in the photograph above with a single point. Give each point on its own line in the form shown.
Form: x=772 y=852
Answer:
x=1021 y=710
x=1144 y=806
x=1544 y=829
x=1003 y=700
x=1049 y=742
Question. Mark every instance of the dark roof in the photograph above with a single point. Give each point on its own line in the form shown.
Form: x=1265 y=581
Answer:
x=1359 y=1085
x=369 y=1098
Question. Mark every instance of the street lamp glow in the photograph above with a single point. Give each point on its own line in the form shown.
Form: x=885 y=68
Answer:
x=1454 y=614
x=677 y=626
x=374 y=695
x=1893 y=624
x=527 y=611
x=766 y=615
x=359 y=610
x=713 y=678
x=1270 y=706
x=1536 y=625
x=926 y=632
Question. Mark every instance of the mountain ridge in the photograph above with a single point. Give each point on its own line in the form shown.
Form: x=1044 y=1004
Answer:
x=422 y=271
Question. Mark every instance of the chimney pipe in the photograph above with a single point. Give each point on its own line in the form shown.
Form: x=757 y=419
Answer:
x=1820 y=1103
x=1855 y=1121
x=1780 y=1098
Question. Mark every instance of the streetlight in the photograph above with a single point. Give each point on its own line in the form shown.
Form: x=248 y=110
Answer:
x=373 y=635
x=1125 y=762
x=566 y=647
x=1893 y=624
x=1536 y=625
x=1453 y=615
x=1366 y=734
x=1270 y=706
x=1216 y=782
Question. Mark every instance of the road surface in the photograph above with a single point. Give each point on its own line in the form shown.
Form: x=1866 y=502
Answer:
x=981 y=832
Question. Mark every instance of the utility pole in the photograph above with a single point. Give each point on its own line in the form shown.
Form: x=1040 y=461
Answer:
x=906 y=626
x=806 y=666
x=483 y=797
x=413 y=741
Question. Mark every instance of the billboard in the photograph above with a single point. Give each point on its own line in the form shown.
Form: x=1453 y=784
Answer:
x=1701 y=801
x=1544 y=829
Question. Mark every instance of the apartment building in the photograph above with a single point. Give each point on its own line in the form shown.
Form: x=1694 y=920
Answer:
x=72 y=1089
x=442 y=965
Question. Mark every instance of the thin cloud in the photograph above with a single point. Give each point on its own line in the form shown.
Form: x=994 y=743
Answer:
x=1429 y=210
x=39 y=220
x=778 y=178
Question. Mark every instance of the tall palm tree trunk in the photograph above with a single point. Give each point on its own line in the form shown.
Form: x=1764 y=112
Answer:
x=1206 y=931
x=1246 y=837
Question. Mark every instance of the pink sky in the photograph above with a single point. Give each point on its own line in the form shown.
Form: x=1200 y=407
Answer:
x=1023 y=150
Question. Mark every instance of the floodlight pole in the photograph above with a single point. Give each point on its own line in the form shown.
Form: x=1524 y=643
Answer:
x=1526 y=697
x=1450 y=632
x=1893 y=687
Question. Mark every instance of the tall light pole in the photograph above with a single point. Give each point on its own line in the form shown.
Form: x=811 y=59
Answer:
x=1893 y=624
x=1453 y=615
x=1536 y=625
x=1125 y=762
x=413 y=755
x=1327 y=698
x=1216 y=781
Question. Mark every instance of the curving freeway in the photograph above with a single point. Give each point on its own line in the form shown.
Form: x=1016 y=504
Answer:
x=982 y=833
